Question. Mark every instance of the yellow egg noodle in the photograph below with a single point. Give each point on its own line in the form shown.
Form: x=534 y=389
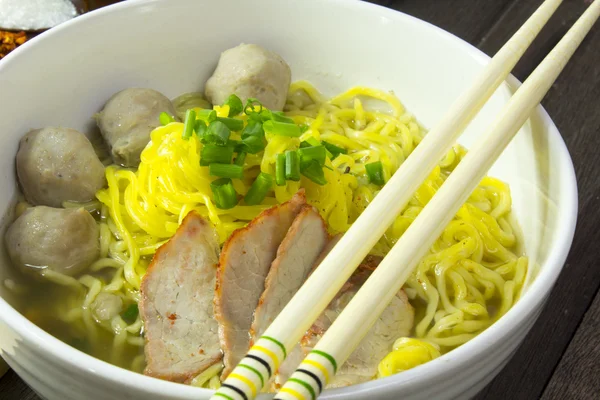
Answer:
x=470 y=278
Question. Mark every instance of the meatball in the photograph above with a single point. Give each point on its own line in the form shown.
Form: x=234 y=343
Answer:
x=56 y=165
x=62 y=240
x=248 y=71
x=127 y=120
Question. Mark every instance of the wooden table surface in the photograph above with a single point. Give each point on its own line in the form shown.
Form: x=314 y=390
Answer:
x=560 y=358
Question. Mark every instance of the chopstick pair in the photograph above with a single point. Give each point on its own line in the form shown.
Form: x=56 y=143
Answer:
x=360 y=314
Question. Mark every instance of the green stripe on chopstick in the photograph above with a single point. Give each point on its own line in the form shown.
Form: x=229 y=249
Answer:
x=306 y=386
x=278 y=343
x=327 y=356
x=249 y=368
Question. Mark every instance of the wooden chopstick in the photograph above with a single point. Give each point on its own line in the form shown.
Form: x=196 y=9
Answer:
x=336 y=268
x=363 y=310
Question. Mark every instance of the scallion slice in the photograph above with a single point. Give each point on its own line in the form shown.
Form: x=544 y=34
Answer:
x=253 y=128
x=259 y=189
x=217 y=133
x=250 y=104
x=211 y=153
x=224 y=193
x=226 y=170
x=279 y=117
x=207 y=116
x=235 y=105
x=282 y=129
x=130 y=314
x=311 y=141
x=280 y=170
x=241 y=157
x=304 y=128
x=292 y=165
x=200 y=128
x=334 y=150
x=318 y=153
x=188 y=125
x=252 y=144
x=232 y=123
x=375 y=172
x=313 y=171
x=165 y=119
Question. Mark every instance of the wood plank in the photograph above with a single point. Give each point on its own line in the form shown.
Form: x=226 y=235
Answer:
x=578 y=374
x=12 y=387
x=515 y=15
x=467 y=19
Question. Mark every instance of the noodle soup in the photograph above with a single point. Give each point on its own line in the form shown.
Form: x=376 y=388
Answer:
x=345 y=147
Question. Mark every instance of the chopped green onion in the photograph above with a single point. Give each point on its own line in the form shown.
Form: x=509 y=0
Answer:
x=259 y=189
x=280 y=170
x=200 y=128
x=279 y=117
x=211 y=153
x=313 y=171
x=334 y=150
x=375 y=172
x=188 y=125
x=250 y=104
x=311 y=141
x=252 y=144
x=282 y=129
x=130 y=314
x=226 y=170
x=165 y=119
x=239 y=160
x=292 y=165
x=224 y=193
x=318 y=153
x=232 y=123
x=265 y=115
x=235 y=105
x=217 y=133
x=304 y=128
x=253 y=128
x=207 y=116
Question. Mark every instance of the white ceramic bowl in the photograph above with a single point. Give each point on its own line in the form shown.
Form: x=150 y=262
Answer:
x=65 y=75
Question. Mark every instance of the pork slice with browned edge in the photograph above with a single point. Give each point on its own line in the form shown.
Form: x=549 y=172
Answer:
x=177 y=291
x=296 y=256
x=395 y=321
x=243 y=266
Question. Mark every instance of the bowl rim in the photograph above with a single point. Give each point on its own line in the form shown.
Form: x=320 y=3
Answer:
x=536 y=294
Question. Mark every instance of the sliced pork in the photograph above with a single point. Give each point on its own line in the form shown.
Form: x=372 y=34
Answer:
x=243 y=266
x=177 y=304
x=394 y=322
x=304 y=242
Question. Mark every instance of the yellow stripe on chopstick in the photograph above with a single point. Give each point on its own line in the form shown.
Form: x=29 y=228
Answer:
x=247 y=381
x=320 y=367
x=293 y=393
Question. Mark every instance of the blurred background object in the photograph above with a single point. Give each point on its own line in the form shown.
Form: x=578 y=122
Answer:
x=21 y=20
x=33 y=15
x=10 y=41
